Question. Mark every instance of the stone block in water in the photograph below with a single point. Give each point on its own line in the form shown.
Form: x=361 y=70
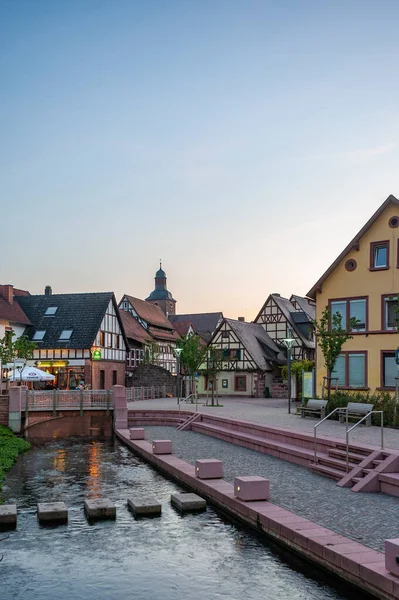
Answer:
x=251 y=487
x=52 y=512
x=144 y=507
x=188 y=502
x=209 y=468
x=8 y=515
x=137 y=433
x=100 y=508
x=162 y=447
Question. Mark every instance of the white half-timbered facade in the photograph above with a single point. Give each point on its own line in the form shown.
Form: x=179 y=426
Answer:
x=282 y=318
x=242 y=360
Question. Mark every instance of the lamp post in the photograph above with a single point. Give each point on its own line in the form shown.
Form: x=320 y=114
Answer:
x=288 y=342
x=19 y=365
x=177 y=352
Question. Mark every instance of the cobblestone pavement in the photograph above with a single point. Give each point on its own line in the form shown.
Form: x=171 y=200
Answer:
x=274 y=412
x=366 y=518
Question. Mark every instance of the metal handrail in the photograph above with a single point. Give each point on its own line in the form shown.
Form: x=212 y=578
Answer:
x=381 y=412
x=183 y=400
x=340 y=408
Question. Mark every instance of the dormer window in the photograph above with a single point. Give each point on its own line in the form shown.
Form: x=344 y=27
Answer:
x=50 y=312
x=39 y=335
x=379 y=255
x=65 y=334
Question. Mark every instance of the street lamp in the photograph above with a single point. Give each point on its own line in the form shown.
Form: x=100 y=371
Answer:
x=19 y=364
x=177 y=352
x=288 y=342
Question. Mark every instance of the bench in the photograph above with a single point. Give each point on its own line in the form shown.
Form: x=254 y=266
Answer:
x=314 y=407
x=356 y=410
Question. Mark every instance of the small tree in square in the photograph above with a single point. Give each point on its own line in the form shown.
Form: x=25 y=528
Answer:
x=331 y=337
x=192 y=356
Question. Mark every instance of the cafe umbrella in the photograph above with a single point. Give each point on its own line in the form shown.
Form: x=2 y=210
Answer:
x=31 y=374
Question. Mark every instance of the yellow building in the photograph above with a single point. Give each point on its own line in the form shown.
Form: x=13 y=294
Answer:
x=363 y=282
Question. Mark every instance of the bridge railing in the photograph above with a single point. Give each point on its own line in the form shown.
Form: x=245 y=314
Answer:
x=149 y=393
x=58 y=400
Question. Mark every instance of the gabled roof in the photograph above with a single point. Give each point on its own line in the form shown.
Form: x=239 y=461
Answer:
x=150 y=313
x=164 y=334
x=203 y=323
x=288 y=310
x=257 y=342
x=82 y=313
x=183 y=327
x=307 y=305
x=12 y=313
x=133 y=329
x=352 y=244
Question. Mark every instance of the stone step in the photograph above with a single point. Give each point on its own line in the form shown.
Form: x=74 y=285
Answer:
x=377 y=462
x=356 y=480
x=354 y=457
x=329 y=472
x=340 y=465
x=355 y=448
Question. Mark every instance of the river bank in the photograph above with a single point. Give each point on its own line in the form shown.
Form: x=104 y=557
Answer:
x=11 y=447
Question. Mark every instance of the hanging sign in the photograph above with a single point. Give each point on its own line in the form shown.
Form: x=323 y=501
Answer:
x=307 y=384
x=96 y=355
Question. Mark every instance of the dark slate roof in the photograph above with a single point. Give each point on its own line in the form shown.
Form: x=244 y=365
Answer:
x=306 y=304
x=258 y=343
x=203 y=323
x=82 y=313
x=161 y=294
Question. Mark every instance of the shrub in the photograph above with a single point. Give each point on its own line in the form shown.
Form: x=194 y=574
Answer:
x=11 y=447
x=381 y=401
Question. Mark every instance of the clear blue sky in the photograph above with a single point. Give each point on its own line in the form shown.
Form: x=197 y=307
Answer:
x=243 y=142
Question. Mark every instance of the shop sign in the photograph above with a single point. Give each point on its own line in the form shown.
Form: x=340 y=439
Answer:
x=96 y=355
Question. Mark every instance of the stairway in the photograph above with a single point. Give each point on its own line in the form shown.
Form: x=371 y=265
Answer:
x=334 y=464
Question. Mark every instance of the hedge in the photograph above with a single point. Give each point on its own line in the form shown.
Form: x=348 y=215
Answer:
x=381 y=401
x=11 y=447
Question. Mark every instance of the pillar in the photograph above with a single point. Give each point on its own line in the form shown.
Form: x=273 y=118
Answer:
x=120 y=406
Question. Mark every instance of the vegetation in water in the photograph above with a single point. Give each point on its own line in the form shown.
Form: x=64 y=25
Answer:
x=11 y=447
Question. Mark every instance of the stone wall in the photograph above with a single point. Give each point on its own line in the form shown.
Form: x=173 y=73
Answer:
x=3 y=410
x=279 y=388
x=150 y=375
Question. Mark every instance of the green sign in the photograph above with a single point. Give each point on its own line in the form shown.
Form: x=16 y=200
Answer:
x=96 y=355
x=307 y=384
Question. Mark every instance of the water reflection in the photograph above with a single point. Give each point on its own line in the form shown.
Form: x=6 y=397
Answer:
x=200 y=556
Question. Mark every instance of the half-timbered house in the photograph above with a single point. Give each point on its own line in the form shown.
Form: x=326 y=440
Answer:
x=282 y=318
x=242 y=360
x=79 y=338
x=155 y=333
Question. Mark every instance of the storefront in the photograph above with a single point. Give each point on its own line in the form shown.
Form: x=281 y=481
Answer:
x=67 y=376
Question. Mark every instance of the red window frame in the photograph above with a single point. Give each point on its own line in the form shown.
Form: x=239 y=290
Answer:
x=373 y=245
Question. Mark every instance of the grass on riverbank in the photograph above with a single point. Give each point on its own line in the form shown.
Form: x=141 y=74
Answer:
x=11 y=447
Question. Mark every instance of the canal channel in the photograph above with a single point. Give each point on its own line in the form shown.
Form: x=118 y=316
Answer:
x=201 y=556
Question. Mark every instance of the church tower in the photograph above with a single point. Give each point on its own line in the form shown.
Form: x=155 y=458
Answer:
x=160 y=296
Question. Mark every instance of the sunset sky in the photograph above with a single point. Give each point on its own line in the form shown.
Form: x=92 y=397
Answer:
x=243 y=142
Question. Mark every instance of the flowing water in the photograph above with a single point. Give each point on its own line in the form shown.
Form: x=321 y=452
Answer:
x=201 y=557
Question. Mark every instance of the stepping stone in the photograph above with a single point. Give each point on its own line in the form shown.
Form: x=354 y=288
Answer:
x=51 y=512
x=209 y=468
x=251 y=487
x=162 y=447
x=188 y=502
x=8 y=515
x=147 y=507
x=100 y=508
x=137 y=433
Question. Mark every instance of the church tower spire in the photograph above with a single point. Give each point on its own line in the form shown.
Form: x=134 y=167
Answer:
x=160 y=295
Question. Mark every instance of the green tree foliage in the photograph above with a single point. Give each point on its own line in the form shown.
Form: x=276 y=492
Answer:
x=297 y=366
x=193 y=355
x=11 y=447
x=151 y=352
x=331 y=337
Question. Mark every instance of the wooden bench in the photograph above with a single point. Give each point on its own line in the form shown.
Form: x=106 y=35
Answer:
x=356 y=410
x=314 y=407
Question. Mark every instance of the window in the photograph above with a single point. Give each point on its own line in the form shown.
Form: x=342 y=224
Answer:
x=390 y=314
x=102 y=338
x=351 y=308
x=350 y=369
x=240 y=383
x=379 y=255
x=225 y=334
x=225 y=383
x=389 y=370
x=39 y=335
x=66 y=334
x=231 y=354
x=51 y=311
x=116 y=341
x=114 y=377
x=102 y=379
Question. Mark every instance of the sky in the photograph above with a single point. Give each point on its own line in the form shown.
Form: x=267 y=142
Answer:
x=243 y=142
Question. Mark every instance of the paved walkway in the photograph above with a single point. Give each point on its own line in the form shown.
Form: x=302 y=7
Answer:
x=274 y=412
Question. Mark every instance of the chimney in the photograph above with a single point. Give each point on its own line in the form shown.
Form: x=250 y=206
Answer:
x=48 y=291
x=241 y=319
x=7 y=291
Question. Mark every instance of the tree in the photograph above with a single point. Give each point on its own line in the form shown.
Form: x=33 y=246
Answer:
x=151 y=353
x=297 y=366
x=192 y=356
x=23 y=347
x=214 y=357
x=331 y=337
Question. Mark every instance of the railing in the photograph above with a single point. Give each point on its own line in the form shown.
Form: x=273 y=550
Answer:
x=381 y=412
x=185 y=400
x=59 y=400
x=339 y=409
x=134 y=394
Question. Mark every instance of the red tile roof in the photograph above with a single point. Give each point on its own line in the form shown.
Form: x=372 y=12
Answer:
x=150 y=313
x=12 y=312
x=133 y=329
x=162 y=334
x=183 y=327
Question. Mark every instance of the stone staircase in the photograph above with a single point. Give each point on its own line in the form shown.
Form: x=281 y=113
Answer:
x=333 y=465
